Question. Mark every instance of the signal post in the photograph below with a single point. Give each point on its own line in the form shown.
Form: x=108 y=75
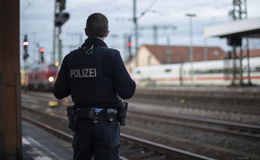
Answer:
x=60 y=17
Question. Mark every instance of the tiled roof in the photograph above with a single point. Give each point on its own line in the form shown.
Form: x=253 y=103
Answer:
x=177 y=54
x=253 y=53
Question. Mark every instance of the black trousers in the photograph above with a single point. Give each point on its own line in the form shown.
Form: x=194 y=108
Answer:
x=100 y=141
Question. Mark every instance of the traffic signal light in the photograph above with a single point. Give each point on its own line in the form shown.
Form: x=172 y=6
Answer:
x=41 y=53
x=41 y=50
x=25 y=43
x=129 y=45
x=25 y=47
x=234 y=41
x=61 y=18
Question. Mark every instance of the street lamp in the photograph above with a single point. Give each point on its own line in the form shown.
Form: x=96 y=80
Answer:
x=191 y=15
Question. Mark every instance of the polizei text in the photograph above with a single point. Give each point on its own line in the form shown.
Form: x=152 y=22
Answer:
x=83 y=73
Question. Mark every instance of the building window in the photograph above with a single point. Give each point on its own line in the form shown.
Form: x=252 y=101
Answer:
x=216 y=52
x=149 y=60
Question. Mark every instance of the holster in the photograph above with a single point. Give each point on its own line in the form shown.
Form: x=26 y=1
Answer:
x=73 y=120
x=122 y=109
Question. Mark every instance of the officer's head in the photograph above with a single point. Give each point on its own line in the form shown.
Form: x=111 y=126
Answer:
x=97 y=26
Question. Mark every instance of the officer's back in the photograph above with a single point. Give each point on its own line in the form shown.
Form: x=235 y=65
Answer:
x=94 y=75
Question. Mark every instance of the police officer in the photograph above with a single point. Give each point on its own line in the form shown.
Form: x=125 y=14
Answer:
x=94 y=75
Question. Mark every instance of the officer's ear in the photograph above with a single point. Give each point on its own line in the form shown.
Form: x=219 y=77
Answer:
x=106 y=34
x=86 y=31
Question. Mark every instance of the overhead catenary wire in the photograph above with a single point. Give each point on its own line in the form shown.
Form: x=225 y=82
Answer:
x=27 y=6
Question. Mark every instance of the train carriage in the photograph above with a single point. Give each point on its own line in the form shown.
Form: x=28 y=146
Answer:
x=218 y=72
x=42 y=77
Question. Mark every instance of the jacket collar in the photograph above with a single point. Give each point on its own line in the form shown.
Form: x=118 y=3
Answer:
x=90 y=41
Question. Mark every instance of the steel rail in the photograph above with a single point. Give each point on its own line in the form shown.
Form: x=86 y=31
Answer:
x=165 y=149
x=229 y=124
x=250 y=127
x=239 y=129
x=54 y=131
x=142 y=142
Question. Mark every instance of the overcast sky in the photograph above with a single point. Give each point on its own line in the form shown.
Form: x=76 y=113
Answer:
x=37 y=21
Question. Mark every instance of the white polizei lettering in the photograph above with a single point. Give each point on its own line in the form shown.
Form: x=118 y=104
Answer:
x=86 y=72
x=76 y=73
x=72 y=72
x=92 y=72
x=83 y=73
x=95 y=72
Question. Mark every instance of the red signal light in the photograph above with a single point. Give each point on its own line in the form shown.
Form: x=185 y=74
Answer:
x=129 y=44
x=25 y=43
x=42 y=50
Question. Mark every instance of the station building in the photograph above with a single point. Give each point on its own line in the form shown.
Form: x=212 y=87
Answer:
x=149 y=55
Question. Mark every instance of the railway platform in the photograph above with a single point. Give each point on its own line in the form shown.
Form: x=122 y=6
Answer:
x=38 y=144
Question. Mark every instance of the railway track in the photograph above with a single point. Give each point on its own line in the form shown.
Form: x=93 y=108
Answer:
x=219 y=126
x=170 y=120
x=145 y=149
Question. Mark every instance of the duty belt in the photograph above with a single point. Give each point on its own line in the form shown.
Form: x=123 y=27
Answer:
x=94 y=115
x=110 y=114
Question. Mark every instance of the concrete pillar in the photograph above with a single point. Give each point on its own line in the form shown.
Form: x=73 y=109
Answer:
x=10 y=119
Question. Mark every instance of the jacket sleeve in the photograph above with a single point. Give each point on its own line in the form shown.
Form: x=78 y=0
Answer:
x=123 y=83
x=61 y=87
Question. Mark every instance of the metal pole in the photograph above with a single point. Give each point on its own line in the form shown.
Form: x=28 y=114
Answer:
x=136 y=29
x=59 y=45
x=241 y=83
x=125 y=45
x=191 y=51
x=234 y=58
x=191 y=47
x=205 y=50
x=155 y=37
x=54 y=34
x=248 y=63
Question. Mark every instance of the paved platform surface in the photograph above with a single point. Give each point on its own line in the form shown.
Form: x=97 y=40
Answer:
x=41 y=145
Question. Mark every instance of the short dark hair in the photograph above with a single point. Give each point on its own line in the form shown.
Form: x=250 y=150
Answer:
x=96 y=25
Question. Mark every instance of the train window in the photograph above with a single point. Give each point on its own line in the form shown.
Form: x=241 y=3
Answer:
x=35 y=69
x=227 y=70
x=138 y=72
x=257 y=69
x=167 y=70
x=53 y=68
x=211 y=71
x=197 y=72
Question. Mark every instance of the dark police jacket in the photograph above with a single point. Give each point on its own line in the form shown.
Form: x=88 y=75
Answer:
x=93 y=75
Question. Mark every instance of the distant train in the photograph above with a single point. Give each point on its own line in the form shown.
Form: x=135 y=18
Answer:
x=218 y=72
x=40 y=77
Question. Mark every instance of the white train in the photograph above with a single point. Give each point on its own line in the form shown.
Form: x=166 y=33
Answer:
x=217 y=72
